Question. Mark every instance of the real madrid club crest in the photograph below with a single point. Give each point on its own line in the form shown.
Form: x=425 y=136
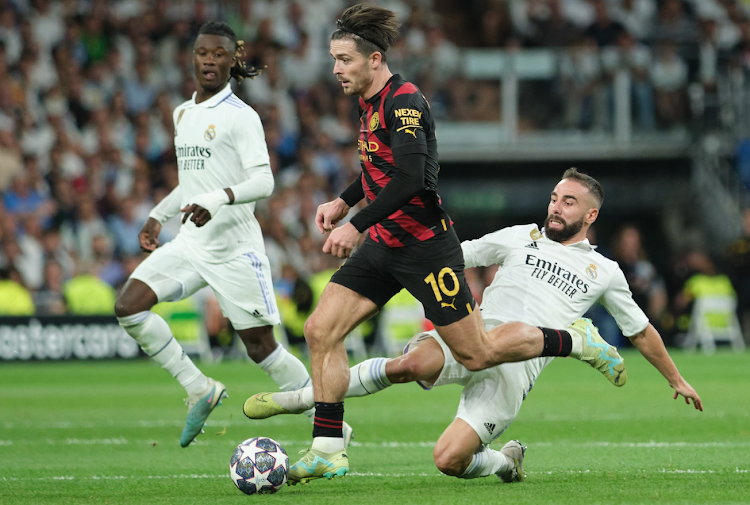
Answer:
x=535 y=234
x=591 y=271
x=210 y=133
x=374 y=122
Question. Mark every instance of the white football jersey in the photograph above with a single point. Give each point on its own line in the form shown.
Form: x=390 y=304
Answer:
x=219 y=142
x=545 y=283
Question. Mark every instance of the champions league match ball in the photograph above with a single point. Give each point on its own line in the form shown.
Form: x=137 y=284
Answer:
x=259 y=465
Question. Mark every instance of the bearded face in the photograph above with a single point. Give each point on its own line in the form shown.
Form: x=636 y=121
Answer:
x=557 y=229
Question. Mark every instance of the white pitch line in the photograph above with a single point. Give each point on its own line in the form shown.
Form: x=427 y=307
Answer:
x=675 y=471
x=210 y=438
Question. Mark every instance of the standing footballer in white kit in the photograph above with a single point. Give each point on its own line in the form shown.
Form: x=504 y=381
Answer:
x=224 y=168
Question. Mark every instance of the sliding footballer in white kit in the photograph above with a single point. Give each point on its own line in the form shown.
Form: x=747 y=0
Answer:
x=219 y=144
x=542 y=283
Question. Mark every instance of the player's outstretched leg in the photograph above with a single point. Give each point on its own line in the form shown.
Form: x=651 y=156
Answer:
x=598 y=353
x=515 y=452
x=317 y=464
x=200 y=407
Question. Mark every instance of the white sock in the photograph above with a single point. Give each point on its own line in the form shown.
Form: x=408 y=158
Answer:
x=287 y=371
x=328 y=445
x=155 y=338
x=486 y=462
x=367 y=378
x=577 y=349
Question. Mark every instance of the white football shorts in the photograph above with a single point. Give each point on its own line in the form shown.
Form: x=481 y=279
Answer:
x=491 y=398
x=242 y=285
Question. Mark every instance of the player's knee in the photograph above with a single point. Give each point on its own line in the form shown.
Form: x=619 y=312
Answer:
x=122 y=307
x=472 y=363
x=405 y=369
x=447 y=462
x=314 y=333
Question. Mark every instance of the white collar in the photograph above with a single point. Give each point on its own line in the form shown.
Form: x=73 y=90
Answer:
x=583 y=244
x=215 y=100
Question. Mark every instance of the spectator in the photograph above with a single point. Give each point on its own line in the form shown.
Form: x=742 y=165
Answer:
x=637 y=16
x=49 y=299
x=739 y=264
x=31 y=262
x=604 y=29
x=549 y=28
x=635 y=58
x=669 y=75
x=140 y=90
x=125 y=229
x=581 y=73
x=645 y=282
x=86 y=294
x=55 y=251
x=673 y=24
x=15 y=300
x=705 y=281
x=78 y=233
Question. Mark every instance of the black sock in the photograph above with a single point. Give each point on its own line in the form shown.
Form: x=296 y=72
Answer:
x=329 y=419
x=556 y=342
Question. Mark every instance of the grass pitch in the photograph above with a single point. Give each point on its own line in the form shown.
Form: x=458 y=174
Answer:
x=108 y=433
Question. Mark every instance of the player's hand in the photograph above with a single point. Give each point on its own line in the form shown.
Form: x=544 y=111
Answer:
x=329 y=214
x=196 y=213
x=684 y=389
x=203 y=207
x=342 y=241
x=149 y=235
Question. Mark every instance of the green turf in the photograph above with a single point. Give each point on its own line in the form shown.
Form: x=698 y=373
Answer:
x=108 y=432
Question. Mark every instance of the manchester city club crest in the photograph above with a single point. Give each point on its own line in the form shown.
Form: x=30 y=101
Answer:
x=210 y=133
x=591 y=271
x=374 y=122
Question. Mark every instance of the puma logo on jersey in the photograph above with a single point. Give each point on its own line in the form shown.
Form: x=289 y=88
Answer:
x=412 y=130
x=451 y=305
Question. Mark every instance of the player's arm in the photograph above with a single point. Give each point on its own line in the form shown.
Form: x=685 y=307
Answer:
x=163 y=212
x=257 y=186
x=618 y=300
x=248 y=138
x=407 y=182
x=330 y=213
x=490 y=249
x=650 y=344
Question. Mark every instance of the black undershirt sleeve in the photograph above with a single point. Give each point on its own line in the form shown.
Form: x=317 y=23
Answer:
x=354 y=193
x=406 y=183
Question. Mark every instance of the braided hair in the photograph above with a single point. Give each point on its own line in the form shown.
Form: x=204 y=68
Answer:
x=240 y=70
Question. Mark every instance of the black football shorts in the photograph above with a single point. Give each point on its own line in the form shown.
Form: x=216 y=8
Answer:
x=432 y=271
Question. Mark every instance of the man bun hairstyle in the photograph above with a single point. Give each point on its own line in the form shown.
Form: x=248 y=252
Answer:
x=240 y=70
x=371 y=28
x=589 y=182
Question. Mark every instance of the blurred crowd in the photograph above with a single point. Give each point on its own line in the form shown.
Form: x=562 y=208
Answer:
x=87 y=89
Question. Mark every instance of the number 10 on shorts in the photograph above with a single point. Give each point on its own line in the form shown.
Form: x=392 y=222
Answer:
x=439 y=286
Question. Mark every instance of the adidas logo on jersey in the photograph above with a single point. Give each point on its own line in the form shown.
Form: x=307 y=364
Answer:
x=256 y=313
x=490 y=427
x=532 y=246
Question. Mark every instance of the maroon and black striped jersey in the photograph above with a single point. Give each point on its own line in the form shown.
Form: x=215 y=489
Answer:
x=397 y=121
